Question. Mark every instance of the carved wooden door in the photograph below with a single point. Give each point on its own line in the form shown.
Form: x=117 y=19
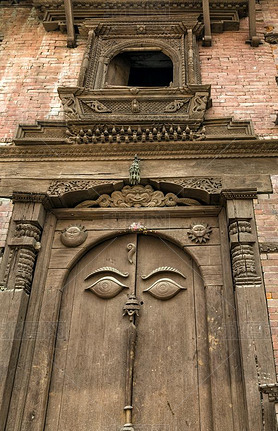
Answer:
x=130 y=341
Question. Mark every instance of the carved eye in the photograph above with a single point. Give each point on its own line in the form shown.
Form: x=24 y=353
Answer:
x=165 y=288
x=106 y=287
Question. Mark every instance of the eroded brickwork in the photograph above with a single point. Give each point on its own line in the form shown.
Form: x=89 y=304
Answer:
x=266 y=210
x=243 y=78
x=33 y=63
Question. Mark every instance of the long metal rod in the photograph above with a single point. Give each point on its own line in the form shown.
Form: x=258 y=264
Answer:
x=71 y=43
x=206 y=15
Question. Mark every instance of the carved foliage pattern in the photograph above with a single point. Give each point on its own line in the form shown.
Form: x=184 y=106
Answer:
x=210 y=185
x=137 y=196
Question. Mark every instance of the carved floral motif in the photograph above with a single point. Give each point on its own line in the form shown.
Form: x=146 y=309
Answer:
x=199 y=233
x=70 y=110
x=137 y=196
x=176 y=105
x=73 y=236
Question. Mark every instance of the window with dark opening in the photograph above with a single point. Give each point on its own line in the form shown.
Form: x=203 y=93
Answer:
x=140 y=69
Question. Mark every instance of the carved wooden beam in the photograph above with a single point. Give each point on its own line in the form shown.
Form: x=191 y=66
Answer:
x=206 y=14
x=71 y=43
x=254 y=40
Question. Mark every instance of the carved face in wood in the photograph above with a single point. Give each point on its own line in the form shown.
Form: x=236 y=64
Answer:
x=73 y=236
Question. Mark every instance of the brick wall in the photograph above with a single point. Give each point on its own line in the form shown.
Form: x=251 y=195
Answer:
x=33 y=63
x=243 y=78
x=266 y=211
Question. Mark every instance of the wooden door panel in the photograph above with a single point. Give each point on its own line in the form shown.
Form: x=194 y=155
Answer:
x=165 y=382
x=88 y=380
x=89 y=372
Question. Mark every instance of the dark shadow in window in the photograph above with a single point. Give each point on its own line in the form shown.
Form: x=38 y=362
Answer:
x=140 y=69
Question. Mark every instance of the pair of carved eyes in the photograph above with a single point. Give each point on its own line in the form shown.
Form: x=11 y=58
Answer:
x=108 y=286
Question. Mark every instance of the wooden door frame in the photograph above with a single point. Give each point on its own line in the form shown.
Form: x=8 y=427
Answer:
x=33 y=385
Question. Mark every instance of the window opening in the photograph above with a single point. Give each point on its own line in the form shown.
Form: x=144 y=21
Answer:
x=140 y=69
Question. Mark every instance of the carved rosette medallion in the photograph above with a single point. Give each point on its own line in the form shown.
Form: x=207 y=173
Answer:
x=199 y=233
x=73 y=236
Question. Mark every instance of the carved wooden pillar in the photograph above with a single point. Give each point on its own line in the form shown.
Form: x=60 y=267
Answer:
x=252 y=317
x=23 y=245
x=86 y=58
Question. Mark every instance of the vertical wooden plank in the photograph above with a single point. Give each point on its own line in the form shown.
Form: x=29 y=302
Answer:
x=219 y=360
x=204 y=371
x=13 y=306
x=237 y=390
x=253 y=326
x=27 y=346
x=166 y=394
x=91 y=363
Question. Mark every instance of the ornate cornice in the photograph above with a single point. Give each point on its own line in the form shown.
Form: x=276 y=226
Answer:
x=158 y=151
x=239 y=194
x=32 y=197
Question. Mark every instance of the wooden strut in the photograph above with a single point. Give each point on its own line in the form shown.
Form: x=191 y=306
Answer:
x=207 y=36
x=71 y=42
x=254 y=40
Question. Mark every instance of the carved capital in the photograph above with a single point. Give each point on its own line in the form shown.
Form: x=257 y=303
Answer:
x=32 y=197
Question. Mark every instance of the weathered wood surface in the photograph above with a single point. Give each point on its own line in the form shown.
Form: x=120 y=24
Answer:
x=166 y=377
x=28 y=343
x=13 y=306
x=257 y=359
x=90 y=355
x=231 y=327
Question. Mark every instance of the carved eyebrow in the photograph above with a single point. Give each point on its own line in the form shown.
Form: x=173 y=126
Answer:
x=108 y=269
x=162 y=269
